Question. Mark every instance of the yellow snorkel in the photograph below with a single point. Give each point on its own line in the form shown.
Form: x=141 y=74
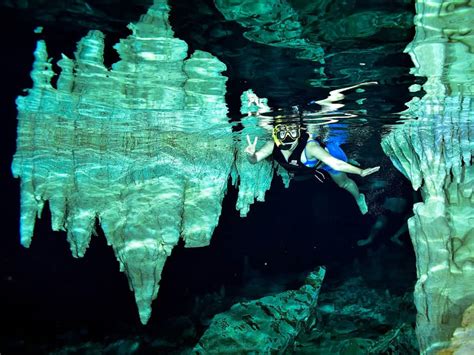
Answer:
x=275 y=130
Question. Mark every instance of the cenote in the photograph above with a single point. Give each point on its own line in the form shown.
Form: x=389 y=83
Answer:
x=139 y=220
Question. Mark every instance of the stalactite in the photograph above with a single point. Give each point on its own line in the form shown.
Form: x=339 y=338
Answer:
x=145 y=148
x=434 y=149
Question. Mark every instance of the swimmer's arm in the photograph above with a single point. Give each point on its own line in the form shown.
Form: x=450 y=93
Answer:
x=261 y=154
x=316 y=151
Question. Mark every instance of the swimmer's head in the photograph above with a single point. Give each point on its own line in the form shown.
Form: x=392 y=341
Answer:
x=286 y=135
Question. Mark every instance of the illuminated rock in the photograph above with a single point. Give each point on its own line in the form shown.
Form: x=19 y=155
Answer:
x=462 y=342
x=144 y=148
x=268 y=325
x=435 y=152
x=253 y=180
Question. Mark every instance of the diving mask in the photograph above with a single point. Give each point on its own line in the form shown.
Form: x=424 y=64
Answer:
x=285 y=135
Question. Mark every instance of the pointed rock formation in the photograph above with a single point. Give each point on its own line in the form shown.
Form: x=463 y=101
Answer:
x=145 y=148
x=435 y=152
x=253 y=180
x=269 y=325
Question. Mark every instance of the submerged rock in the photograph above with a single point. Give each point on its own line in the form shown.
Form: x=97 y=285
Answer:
x=356 y=319
x=267 y=325
x=351 y=318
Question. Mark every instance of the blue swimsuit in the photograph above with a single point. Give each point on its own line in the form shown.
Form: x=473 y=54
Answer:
x=334 y=149
x=293 y=163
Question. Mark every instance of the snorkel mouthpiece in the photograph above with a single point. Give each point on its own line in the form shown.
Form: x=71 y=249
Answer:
x=287 y=143
x=285 y=146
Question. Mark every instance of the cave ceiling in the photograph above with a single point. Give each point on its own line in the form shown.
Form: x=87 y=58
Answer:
x=330 y=48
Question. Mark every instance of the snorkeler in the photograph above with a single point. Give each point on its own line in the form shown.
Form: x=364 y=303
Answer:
x=392 y=209
x=391 y=206
x=301 y=154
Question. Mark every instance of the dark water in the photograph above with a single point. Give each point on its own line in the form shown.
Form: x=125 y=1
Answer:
x=50 y=300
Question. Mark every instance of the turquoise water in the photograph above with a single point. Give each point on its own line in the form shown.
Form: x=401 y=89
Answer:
x=355 y=72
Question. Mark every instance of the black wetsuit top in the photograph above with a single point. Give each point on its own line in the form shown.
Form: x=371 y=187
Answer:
x=294 y=164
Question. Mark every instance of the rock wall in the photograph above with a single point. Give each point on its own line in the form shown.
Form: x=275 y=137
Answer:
x=434 y=149
x=462 y=341
x=144 y=148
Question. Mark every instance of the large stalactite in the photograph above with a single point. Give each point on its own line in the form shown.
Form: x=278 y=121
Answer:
x=145 y=148
x=434 y=149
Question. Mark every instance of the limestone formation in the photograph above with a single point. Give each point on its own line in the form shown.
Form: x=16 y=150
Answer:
x=462 y=341
x=265 y=326
x=253 y=180
x=435 y=152
x=144 y=148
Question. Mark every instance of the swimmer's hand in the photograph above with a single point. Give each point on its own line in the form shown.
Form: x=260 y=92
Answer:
x=250 y=150
x=368 y=171
x=251 y=147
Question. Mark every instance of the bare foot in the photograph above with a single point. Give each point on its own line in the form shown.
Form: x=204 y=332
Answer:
x=364 y=242
x=362 y=204
x=353 y=162
x=396 y=240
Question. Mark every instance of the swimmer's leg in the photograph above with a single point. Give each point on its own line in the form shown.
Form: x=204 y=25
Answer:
x=379 y=224
x=342 y=180
x=396 y=237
